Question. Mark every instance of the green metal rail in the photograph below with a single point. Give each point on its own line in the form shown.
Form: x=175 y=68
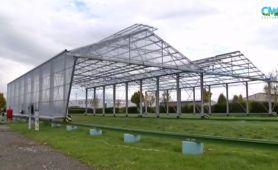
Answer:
x=221 y=139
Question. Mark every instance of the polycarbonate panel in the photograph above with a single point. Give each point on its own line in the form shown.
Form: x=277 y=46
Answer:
x=46 y=87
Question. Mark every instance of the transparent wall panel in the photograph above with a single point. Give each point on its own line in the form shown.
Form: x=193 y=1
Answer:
x=45 y=87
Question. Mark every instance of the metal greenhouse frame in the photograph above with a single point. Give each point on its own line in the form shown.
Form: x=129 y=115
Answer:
x=135 y=54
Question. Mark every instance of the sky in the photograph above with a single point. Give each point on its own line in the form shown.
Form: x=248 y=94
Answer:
x=32 y=31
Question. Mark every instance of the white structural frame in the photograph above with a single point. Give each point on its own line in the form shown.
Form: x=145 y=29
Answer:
x=134 y=54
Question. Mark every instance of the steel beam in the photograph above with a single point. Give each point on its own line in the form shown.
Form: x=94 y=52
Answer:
x=126 y=99
x=157 y=98
x=178 y=95
x=95 y=100
x=227 y=100
x=114 y=100
x=103 y=101
x=70 y=85
x=141 y=98
x=194 y=101
x=269 y=98
x=202 y=92
x=209 y=106
x=167 y=102
x=86 y=101
x=145 y=103
x=247 y=98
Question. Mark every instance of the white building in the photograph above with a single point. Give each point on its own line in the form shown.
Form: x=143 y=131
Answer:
x=261 y=97
x=108 y=102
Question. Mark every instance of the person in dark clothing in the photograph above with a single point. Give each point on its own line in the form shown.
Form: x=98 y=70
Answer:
x=32 y=109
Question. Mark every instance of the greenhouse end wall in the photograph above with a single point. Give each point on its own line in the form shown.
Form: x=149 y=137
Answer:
x=46 y=87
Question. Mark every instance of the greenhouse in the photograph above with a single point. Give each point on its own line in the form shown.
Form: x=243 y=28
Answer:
x=132 y=57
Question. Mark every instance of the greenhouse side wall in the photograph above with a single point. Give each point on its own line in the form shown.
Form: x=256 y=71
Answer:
x=46 y=87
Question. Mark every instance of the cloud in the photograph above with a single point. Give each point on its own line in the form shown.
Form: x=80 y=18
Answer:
x=33 y=31
x=267 y=36
x=18 y=46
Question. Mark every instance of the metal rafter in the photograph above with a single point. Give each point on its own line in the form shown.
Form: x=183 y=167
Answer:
x=137 y=53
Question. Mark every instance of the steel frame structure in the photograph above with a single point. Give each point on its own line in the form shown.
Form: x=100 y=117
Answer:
x=134 y=54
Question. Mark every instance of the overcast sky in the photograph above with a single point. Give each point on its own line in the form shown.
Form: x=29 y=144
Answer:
x=32 y=31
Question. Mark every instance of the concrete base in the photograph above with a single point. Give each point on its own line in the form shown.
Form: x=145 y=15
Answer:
x=130 y=138
x=95 y=132
x=192 y=148
x=55 y=125
x=70 y=128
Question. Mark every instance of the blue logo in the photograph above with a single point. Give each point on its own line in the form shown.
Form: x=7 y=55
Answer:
x=269 y=11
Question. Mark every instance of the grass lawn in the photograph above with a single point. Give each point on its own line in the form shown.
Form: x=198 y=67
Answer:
x=109 y=152
x=232 y=128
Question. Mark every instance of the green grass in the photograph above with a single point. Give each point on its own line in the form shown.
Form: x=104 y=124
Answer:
x=109 y=152
x=233 y=128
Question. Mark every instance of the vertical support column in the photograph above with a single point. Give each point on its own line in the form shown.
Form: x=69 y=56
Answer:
x=64 y=80
x=95 y=100
x=40 y=91
x=145 y=103
x=167 y=102
x=103 y=101
x=269 y=98
x=126 y=99
x=141 y=99
x=114 y=100
x=227 y=100
x=86 y=102
x=209 y=109
x=70 y=85
x=202 y=92
x=51 y=83
x=178 y=95
x=247 y=98
x=157 y=98
x=194 y=101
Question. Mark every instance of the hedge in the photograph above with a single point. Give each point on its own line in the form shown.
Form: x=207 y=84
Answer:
x=254 y=107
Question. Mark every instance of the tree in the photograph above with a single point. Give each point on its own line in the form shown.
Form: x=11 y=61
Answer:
x=207 y=95
x=240 y=99
x=165 y=97
x=149 y=99
x=135 y=98
x=221 y=99
x=273 y=86
x=118 y=103
x=2 y=101
x=235 y=99
x=95 y=102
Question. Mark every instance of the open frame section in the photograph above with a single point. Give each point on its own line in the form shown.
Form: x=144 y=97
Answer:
x=134 y=54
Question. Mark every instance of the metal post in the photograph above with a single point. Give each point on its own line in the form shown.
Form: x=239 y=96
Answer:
x=194 y=101
x=247 y=98
x=178 y=96
x=209 y=99
x=167 y=102
x=70 y=85
x=145 y=103
x=157 y=97
x=202 y=92
x=95 y=100
x=227 y=99
x=269 y=98
x=126 y=99
x=86 y=102
x=51 y=89
x=114 y=100
x=103 y=101
x=141 y=99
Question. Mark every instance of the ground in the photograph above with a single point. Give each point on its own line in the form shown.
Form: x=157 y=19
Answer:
x=110 y=152
x=19 y=153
